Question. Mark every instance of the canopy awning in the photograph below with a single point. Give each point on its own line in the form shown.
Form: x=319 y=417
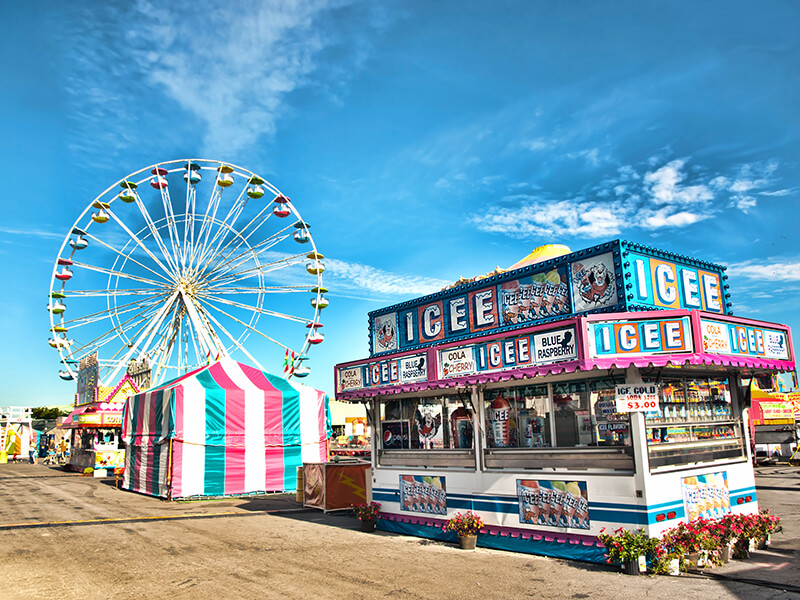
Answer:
x=90 y=416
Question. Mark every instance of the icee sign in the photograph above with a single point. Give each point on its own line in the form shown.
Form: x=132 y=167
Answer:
x=632 y=397
x=665 y=284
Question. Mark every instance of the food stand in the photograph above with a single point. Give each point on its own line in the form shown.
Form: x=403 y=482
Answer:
x=600 y=388
x=96 y=427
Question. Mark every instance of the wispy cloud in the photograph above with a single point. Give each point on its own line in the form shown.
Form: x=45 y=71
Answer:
x=37 y=233
x=354 y=276
x=772 y=271
x=228 y=71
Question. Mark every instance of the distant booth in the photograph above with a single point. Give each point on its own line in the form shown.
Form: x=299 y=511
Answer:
x=774 y=423
x=225 y=429
x=17 y=435
x=95 y=428
x=607 y=387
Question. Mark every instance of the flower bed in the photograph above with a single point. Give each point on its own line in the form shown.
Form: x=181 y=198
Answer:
x=692 y=544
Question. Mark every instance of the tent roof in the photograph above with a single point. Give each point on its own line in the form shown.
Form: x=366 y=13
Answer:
x=227 y=364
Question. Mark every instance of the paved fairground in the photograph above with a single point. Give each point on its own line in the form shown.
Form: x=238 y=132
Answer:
x=65 y=536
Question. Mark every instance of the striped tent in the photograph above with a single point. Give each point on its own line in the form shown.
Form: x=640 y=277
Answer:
x=224 y=429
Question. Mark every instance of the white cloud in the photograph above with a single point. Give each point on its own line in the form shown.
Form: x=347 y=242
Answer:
x=664 y=186
x=744 y=203
x=672 y=195
x=663 y=218
x=774 y=271
x=567 y=217
x=33 y=233
x=228 y=71
x=363 y=277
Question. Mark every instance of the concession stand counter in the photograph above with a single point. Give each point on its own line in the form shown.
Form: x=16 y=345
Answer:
x=607 y=387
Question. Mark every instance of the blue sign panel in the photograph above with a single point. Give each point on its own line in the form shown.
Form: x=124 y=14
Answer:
x=662 y=281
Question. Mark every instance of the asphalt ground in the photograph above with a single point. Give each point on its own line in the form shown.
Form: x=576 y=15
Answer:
x=63 y=536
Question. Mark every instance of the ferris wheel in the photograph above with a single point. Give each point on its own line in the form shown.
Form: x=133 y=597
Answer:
x=181 y=263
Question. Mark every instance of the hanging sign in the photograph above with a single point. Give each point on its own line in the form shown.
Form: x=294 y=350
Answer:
x=636 y=397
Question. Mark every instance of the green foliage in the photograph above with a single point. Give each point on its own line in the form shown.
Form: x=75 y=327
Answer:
x=624 y=545
x=44 y=412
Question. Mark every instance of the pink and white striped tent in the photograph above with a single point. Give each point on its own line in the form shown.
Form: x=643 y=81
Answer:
x=224 y=429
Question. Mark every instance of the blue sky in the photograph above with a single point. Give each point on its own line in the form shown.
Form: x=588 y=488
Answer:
x=423 y=141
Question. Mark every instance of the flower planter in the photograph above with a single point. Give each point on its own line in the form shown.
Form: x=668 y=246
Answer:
x=725 y=554
x=635 y=566
x=692 y=560
x=367 y=526
x=674 y=567
x=467 y=542
x=765 y=542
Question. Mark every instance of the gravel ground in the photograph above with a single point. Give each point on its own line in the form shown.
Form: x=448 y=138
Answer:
x=65 y=536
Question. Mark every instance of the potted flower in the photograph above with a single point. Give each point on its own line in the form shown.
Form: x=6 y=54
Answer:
x=467 y=526
x=367 y=514
x=697 y=542
x=745 y=528
x=765 y=525
x=628 y=548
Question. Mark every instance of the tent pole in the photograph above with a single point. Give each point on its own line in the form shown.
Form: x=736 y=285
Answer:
x=169 y=471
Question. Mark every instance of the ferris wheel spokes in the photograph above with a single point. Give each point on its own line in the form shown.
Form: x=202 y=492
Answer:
x=108 y=313
x=235 y=341
x=116 y=273
x=149 y=330
x=77 y=353
x=140 y=243
x=231 y=276
x=261 y=247
x=128 y=257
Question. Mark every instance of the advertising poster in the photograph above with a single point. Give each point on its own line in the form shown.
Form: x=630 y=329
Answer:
x=109 y=459
x=553 y=503
x=715 y=337
x=423 y=494
x=428 y=422
x=532 y=298
x=385 y=333
x=740 y=339
x=593 y=283
x=396 y=435
x=706 y=496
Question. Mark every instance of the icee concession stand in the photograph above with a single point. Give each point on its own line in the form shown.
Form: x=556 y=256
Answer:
x=602 y=388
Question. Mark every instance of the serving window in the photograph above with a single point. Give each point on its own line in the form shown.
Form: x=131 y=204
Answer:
x=518 y=417
x=694 y=422
x=562 y=415
x=429 y=423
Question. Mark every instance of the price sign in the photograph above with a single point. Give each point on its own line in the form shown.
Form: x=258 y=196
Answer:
x=632 y=397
